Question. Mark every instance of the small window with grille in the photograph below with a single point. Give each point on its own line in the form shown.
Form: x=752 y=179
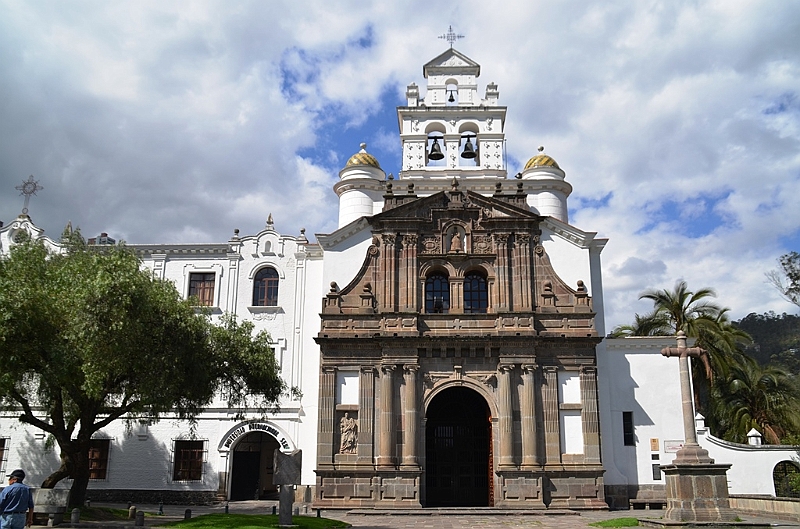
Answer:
x=4 y=442
x=476 y=297
x=188 y=459
x=201 y=287
x=98 y=458
x=437 y=294
x=265 y=288
x=628 y=438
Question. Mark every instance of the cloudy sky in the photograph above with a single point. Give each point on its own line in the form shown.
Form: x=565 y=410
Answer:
x=677 y=122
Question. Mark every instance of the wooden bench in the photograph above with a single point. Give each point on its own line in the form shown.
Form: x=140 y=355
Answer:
x=648 y=503
x=49 y=505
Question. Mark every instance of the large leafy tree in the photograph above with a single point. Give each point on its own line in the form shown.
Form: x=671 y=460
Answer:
x=87 y=337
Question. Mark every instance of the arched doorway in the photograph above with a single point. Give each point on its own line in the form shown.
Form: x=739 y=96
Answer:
x=252 y=467
x=458 y=458
x=784 y=476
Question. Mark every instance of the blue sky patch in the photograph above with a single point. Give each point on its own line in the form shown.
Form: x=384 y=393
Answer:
x=697 y=217
x=379 y=131
x=784 y=103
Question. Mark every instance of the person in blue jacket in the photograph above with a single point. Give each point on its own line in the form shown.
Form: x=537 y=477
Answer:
x=15 y=501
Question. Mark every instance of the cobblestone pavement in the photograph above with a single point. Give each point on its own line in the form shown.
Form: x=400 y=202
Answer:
x=432 y=519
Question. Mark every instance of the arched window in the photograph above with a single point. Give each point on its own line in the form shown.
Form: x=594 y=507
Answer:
x=265 y=288
x=437 y=294
x=476 y=297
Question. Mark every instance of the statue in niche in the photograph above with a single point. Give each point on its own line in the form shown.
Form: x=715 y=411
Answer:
x=349 y=430
x=455 y=242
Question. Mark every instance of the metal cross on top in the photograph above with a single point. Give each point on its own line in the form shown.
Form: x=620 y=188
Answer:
x=451 y=36
x=29 y=187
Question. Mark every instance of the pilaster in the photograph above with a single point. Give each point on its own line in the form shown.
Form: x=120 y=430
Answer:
x=530 y=442
x=366 y=414
x=327 y=404
x=552 y=439
x=410 y=460
x=590 y=418
x=386 y=458
x=505 y=420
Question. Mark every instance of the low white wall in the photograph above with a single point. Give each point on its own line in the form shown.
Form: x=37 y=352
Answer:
x=751 y=465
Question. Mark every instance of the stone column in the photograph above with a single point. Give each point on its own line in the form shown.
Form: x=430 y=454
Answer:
x=505 y=420
x=501 y=244
x=590 y=418
x=327 y=405
x=410 y=427
x=386 y=434
x=530 y=442
x=552 y=437
x=366 y=413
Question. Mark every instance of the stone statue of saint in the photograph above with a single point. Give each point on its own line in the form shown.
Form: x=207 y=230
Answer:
x=455 y=242
x=349 y=429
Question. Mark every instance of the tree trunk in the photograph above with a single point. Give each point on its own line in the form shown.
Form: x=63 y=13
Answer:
x=75 y=465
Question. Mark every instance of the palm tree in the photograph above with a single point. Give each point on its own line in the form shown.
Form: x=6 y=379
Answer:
x=652 y=324
x=685 y=310
x=755 y=396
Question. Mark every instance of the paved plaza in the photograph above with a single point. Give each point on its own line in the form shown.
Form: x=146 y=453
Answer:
x=431 y=519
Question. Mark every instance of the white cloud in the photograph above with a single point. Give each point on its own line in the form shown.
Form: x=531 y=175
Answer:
x=182 y=121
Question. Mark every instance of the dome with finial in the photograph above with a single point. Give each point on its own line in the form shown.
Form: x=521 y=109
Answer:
x=541 y=160
x=362 y=157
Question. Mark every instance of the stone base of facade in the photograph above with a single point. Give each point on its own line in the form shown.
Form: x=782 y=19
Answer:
x=519 y=490
x=139 y=496
x=392 y=489
x=575 y=489
x=697 y=493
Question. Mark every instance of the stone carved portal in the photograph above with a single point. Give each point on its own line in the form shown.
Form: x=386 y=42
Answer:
x=251 y=471
x=458 y=453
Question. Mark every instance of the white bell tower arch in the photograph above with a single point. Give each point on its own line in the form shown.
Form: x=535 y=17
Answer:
x=468 y=130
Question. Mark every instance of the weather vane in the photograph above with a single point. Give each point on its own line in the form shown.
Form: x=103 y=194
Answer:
x=450 y=36
x=29 y=187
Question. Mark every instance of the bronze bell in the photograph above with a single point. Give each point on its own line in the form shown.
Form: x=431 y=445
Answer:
x=452 y=98
x=436 y=151
x=469 y=150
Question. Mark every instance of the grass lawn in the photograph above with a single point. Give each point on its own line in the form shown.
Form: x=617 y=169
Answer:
x=253 y=521
x=617 y=522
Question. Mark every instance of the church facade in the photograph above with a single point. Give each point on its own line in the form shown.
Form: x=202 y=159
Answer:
x=467 y=364
x=447 y=338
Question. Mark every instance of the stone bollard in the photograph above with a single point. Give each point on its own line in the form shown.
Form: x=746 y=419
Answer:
x=187 y=514
x=131 y=512
x=75 y=516
x=139 y=519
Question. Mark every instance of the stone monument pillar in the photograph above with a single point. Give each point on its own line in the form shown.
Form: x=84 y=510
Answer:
x=286 y=474
x=697 y=489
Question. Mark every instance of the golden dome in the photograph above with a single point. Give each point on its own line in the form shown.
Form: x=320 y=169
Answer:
x=362 y=157
x=541 y=160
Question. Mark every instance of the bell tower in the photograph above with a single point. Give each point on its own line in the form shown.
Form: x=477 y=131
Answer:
x=450 y=132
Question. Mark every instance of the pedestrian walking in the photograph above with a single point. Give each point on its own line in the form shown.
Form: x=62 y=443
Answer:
x=16 y=501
